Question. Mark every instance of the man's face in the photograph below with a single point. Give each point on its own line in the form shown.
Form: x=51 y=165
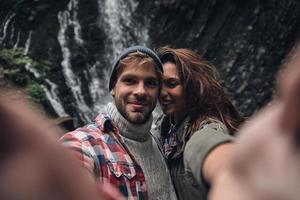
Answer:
x=136 y=91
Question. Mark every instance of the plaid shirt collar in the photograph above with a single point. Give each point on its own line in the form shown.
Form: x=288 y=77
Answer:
x=106 y=125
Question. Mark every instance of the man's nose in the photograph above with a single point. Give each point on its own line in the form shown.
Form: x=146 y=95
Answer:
x=140 y=89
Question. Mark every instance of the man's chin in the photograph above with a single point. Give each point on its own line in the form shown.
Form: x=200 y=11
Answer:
x=137 y=118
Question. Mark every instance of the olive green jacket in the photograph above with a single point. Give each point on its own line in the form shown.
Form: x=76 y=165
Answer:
x=186 y=163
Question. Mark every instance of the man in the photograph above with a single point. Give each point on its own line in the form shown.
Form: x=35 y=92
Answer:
x=117 y=147
x=266 y=159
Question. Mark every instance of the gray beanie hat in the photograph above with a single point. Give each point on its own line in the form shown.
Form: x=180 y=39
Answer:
x=127 y=51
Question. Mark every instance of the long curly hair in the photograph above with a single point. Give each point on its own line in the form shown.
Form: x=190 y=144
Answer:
x=204 y=96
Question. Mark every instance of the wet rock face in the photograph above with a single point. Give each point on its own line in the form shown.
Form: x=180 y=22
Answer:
x=245 y=40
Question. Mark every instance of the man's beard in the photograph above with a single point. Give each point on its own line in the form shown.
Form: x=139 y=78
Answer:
x=132 y=117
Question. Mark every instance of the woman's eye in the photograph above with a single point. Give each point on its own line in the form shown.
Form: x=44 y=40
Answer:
x=171 y=84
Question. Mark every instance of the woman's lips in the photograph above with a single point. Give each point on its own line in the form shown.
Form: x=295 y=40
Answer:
x=166 y=103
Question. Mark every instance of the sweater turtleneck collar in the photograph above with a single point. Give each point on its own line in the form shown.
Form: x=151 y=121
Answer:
x=138 y=132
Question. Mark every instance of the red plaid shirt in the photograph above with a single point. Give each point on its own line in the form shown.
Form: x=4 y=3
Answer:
x=101 y=150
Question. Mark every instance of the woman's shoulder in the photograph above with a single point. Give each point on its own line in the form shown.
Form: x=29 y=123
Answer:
x=215 y=125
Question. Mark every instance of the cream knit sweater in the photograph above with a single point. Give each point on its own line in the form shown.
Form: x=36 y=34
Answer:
x=144 y=149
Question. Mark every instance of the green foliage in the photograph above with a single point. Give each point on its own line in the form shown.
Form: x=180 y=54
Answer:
x=13 y=62
x=36 y=93
x=15 y=58
x=41 y=67
x=16 y=76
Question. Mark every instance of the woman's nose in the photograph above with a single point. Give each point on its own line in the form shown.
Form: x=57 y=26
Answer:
x=163 y=91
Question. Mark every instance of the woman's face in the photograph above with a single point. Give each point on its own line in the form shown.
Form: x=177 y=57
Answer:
x=172 y=98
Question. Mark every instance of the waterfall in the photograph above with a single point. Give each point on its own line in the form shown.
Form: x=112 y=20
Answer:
x=17 y=42
x=121 y=31
x=97 y=87
x=117 y=17
x=32 y=70
x=27 y=43
x=117 y=21
x=54 y=99
x=68 y=19
x=73 y=20
x=5 y=26
x=50 y=94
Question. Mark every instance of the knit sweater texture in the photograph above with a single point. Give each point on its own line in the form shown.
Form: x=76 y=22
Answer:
x=145 y=151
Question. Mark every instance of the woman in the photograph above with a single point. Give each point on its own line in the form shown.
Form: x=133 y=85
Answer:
x=199 y=119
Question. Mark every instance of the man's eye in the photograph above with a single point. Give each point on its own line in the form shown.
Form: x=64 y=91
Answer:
x=128 y=81
x=152 y=83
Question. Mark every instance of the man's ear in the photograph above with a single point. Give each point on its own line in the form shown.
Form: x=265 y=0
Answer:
x=112 y=92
